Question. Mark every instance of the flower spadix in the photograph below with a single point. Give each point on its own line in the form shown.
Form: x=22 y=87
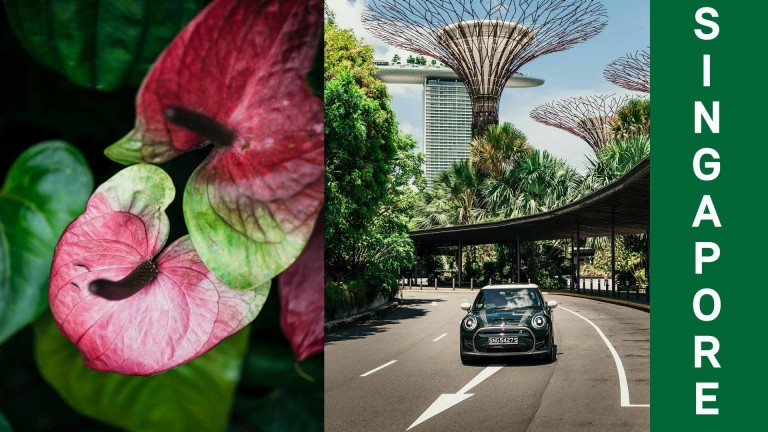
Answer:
x=128 y=306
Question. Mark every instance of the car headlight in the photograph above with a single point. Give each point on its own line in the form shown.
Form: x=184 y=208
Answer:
x=538 y=321
x=470 y=323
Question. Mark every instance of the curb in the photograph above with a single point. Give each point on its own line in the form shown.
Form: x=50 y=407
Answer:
x=365 y=316
x=442 y=290
x=640 y=306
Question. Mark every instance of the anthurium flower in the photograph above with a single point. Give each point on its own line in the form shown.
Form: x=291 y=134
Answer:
x=235 y=77
x=128 y=307
x=301 y=298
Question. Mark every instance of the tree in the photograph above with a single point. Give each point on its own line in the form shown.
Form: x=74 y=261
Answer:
x=396 y=59
x=499 y=149
x=359 y=151
x=411 y=59
x=421 y=60
x=385 y=246
x=371 y=177
x=343 y=51
x=633 y=119
x=611 y=162
x=455 y=198
x=434 y=62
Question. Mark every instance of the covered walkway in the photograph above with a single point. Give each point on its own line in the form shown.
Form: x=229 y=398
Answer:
x=622 y=207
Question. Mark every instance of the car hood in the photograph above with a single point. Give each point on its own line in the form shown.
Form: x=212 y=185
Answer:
x=507 y=317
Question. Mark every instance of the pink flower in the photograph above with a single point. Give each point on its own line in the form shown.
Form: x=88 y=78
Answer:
x=128 y=309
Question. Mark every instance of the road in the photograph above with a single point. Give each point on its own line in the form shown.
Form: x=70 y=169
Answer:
x=409 y=358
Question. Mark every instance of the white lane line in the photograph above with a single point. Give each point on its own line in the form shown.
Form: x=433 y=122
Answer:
x=378 y=368
x=439 y=337
x=623 y=386
x=482 y=376
x=447 y=400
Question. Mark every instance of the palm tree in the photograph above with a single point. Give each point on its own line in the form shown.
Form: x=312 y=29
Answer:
x=539 y=182
x=498 y=150
x=633 y=119
x=455 y=198
x=611 y=162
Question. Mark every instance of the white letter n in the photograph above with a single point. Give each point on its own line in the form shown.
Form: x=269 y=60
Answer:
x=713 y=121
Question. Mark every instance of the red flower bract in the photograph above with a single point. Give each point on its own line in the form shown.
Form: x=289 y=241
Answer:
x=301 y=298
x=172 y=314
x=236 y=76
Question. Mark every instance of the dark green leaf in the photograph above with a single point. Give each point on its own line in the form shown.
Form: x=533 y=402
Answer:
x=4 y=426
x=45 y=189
x=283 y=409
x=195 y=396
x=99 y=44
x=271 y=364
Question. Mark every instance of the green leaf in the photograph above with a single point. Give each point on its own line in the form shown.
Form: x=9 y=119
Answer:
x=283 y=409
x=99 y=44
x=4 y=425
x=53 y=177
x=195 y=396
x=45 y=189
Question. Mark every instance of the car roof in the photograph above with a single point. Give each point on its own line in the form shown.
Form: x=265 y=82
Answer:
x=510 y=286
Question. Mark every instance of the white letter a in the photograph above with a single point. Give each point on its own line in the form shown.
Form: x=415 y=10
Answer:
x=706 y=212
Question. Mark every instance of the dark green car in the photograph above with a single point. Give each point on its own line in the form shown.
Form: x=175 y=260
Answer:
x=508 y=320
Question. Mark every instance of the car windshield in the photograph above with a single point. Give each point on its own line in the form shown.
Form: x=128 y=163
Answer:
x=515 y=298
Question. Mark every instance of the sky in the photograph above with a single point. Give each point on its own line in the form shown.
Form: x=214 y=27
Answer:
x=574 y=72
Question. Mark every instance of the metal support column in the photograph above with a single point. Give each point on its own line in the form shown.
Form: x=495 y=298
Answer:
x=613 y=254
x=517 y=257
x=460 y=261
x=578 y=258
x=573 y=273
x=648 y=266
x=416 y=271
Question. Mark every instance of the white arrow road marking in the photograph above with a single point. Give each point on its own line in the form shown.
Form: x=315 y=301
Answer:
x=623 y=386
x=446 y=401
x=434 y=303
x=378 y=368
x=439 y=337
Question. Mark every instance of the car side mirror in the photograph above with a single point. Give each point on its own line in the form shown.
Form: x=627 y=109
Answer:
x=552 y=304
x=465 y=306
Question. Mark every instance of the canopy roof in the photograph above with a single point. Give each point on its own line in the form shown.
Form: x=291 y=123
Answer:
x=628 y=196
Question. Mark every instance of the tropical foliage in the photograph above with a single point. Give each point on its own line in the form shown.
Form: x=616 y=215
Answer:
x=633 y=119
x=73 y=88
x=505 y=177
x=371 y=178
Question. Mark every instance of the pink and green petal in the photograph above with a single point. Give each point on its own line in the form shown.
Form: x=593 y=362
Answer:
x=181 y=312
x=243 y=239
x=235 y=76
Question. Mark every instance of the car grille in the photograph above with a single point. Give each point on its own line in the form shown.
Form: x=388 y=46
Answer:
x=525 y=340
x=507 y=322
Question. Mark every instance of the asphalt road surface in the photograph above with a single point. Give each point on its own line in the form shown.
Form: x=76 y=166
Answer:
x=403 y=371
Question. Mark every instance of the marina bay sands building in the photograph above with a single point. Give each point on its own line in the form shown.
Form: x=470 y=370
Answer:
x=446 y=108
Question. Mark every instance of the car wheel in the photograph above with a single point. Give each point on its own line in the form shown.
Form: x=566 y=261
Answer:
x=552 y=355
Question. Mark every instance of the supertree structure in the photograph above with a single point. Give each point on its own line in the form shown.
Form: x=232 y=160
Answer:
x=485 y=42
x=588 y=117
x=632 y=72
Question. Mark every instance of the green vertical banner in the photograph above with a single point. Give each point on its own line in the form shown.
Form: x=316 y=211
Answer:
x=708 y=225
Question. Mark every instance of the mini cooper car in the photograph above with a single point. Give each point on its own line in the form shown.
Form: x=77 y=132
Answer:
x=508 y=320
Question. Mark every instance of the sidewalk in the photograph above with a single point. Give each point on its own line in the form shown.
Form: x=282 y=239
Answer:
x=364 y=316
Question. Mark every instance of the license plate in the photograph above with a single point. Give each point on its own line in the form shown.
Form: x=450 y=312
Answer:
x=502 y=340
